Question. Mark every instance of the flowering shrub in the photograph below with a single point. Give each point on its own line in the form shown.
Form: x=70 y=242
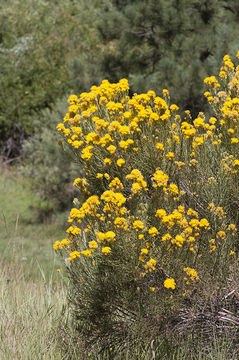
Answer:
x=157 y=216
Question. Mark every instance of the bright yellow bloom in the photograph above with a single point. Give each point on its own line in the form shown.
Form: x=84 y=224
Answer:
x=74 y=255
x=144 y=251
x=138 y=225
x=166 y=237
x=121 y=223
x=159 y=179
x=170 y=283
x=93 y=244
x=73 y=230
x=72 y=99
x=110 y=236
x=160 y=146
x=111 y=149
x=174 y=107
x=150 y=265
x=204 y=223
x=221 y=234
x=87 y=253
x=191 y=273
x=153 y=231
x=120 y=162
x=116 y=184
x=173 y=189
x=170 y=155
x=86 y=152
x=107 y=161
x=56 y=245
x=165 y=92
x=100 y=236
x=106 y=250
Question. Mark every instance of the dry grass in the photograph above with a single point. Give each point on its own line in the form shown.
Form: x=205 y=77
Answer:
x=29 y=312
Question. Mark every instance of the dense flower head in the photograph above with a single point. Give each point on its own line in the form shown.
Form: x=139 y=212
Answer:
x=170 y=283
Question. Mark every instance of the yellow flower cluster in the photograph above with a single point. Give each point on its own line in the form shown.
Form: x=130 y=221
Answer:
x=144 y=168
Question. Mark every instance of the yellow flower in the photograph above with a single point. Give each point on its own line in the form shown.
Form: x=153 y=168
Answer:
x=86 y=152
x=144 y=251
x=107 y=161
x=170 y=155
x=191 y=273
x=204 y=223
x=221 y=234
x=159 y=179
x=153 y=231
x=72 y=99
x=160 y=213
x=173 y=189
x=165 y=92
x=76 y=144
x=73 y=230
x=199 y=140
x=120 y=162
x=192 y=212
x=138 y=225
x=160 y=146
x=56 y=245
x=121 y=223
x=124 y=130
x=111 y=149
x=93 y=244
x=174 y=107
x=150 y=265
x=74 y=255
x=170 y=283
x=178 y=240
x=87 y=253
x=166 y=237
x=106 y=250
x=116 y=184
x=100 y=236
x=110 y=236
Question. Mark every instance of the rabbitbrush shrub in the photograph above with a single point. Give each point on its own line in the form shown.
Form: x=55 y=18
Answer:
x=156 y=222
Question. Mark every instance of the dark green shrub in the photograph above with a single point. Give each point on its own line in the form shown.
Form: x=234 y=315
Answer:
x=49 y=166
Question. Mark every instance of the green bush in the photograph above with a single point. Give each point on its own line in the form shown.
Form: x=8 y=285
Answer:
x=154 y=233
x=48 y=164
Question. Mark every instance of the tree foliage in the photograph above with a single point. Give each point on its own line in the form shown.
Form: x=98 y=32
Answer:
x=38 y=43
x=167 y=44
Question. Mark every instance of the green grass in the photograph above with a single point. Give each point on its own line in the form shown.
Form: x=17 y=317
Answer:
x=20 y=234
x=31 y=311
